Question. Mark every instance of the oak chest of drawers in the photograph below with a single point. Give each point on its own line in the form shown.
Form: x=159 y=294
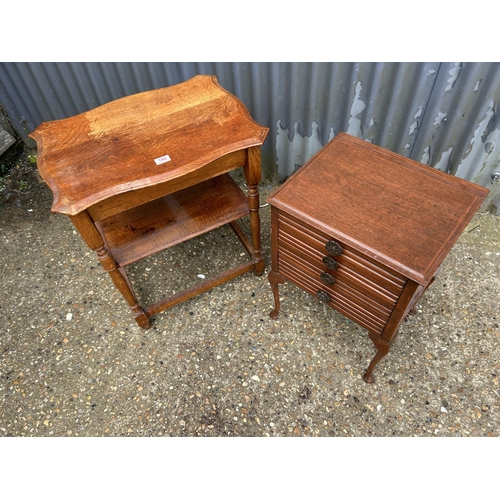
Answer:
x=365 y=231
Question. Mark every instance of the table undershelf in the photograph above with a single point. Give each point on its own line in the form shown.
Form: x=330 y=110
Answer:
x=155 y=226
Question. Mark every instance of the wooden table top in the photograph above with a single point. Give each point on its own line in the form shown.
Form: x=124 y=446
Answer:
x=123 y=145
x=400 y=212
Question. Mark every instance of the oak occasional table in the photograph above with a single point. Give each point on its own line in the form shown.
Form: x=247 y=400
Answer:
x=145 y=172
x=365 y=230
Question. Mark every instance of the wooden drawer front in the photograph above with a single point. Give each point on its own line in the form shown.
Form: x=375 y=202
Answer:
x=346 y=299
x=338 y=297
x=354 y=270
x=313 y=242
x=363 y=290
x=343 y=274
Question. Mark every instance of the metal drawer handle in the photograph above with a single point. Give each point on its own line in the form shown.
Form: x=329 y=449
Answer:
x=327 y=278
x=330 y=263
x=323 y=296
x=333 y=248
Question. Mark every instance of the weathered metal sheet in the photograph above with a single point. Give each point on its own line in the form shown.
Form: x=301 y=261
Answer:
x=441 y=114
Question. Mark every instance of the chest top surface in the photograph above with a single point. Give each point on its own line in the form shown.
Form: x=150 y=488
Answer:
x=398 y=211
x=123 y=145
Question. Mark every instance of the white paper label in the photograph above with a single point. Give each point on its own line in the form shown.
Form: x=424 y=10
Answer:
x=162 y=159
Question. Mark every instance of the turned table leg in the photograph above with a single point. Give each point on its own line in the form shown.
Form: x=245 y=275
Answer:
x=122 y=283
x=94 y=240
x=252 y=177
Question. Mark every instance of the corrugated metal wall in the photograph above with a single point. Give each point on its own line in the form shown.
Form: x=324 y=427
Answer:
x=441 y=114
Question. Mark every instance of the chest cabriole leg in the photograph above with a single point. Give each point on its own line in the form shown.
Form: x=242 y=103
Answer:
x=384 y=342
x=274 y=277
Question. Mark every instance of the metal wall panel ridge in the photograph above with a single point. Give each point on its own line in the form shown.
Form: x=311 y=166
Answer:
x=443 y=114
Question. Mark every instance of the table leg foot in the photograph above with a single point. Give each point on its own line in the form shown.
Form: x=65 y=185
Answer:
x=140 y=317
x=259 y=267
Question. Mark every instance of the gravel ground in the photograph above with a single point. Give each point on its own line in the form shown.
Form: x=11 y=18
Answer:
x=74 y=363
